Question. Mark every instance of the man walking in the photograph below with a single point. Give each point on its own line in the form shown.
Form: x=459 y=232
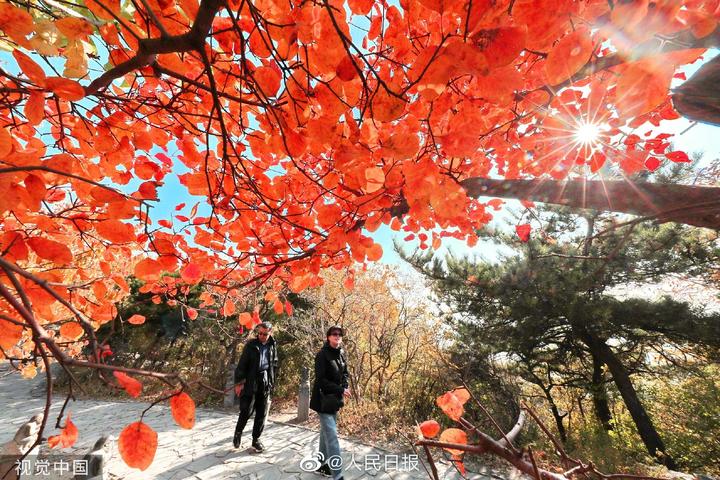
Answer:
x=254 y=380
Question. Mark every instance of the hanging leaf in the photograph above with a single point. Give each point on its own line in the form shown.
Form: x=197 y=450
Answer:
x=454 y=435
x=67 y=438
x=183 y=410
x=131 y=386
x=136 y=319
x=429 y=428
x=137 y=445
x=523 y=232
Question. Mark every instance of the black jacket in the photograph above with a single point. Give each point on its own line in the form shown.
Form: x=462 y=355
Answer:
x=331 y=376
x=247 y=368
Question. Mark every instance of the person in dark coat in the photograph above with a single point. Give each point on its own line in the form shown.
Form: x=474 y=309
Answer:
x=254 y=380
x=328 y=393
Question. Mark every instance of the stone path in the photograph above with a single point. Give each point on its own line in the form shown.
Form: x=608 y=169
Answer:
x=206 y=451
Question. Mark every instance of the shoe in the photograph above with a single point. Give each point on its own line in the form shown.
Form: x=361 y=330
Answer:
x=258 y=446
x=324 y=471
x=236 y=440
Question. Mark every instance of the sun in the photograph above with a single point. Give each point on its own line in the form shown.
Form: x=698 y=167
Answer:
x=588 y=133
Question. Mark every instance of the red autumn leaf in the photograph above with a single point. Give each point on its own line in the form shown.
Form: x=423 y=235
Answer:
x=131 y=386
x=50 y=250
x=298 y=283
x=429 y=428
x=245 y=319
x=228 y=307
x=30 y=68
x=375 y=252
x=65 y=88
x=501 y=45
x=643 y=86
x=183 y=410
x=68 y=436
x=374 y=179
x=346 y=70
x=137 y=445
x=192 y=273
x=652 y=163
x=268 y=79
x=569 y=55
x=454 y=435
x=523 y=231
x=10 y=334
x=278 y=307
x=192 y=313
x=136 y=319
x=74 y=28
x=678 y=157
x=35 y=107
x=115 y=231
x=452 y=402
x=71 y=330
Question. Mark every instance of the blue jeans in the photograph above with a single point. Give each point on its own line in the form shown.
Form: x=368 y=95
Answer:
x=329 y=443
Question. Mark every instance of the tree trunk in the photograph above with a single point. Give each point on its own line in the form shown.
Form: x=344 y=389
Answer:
x=693 y=205
x=556 y=415
x=599 y=395
x=646 y=429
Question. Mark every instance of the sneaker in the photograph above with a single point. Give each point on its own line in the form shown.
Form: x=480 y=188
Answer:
x=258 y=446
x=236 y=440
x=324 y=471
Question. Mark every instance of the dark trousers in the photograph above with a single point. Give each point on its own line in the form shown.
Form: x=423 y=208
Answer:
x=260 y=403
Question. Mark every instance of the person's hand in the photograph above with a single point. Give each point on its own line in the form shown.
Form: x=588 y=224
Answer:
x=346 y=393
x=238 y=389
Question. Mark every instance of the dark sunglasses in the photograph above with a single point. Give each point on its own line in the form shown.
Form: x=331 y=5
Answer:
x=263 y=334
x=336 y=334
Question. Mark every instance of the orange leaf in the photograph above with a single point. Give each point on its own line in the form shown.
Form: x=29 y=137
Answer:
x=569 y=55
x=454 y=435
x=523 y=232
x=183 y=410
x=288 y=307
x=67 y=437
x=501 y=45
x=74 y=28
x=148 y=269
x=192 y=313
x=51 y=250
x=35 y=107
x=5 y=142
x=278 y=307
x=136 y=319
x=115 y=231
x=375 y=252
x=65 y=88
x=228 y=307
x=30 y=68
x=15 y=22
x=71 y=330
x=374 y=178
x=245 y=319
x=298 y=283
x=429 y=428
x=452 y=402
x=137 y=444
x=643 y=86
x=10 y=334
x=346 y=70
x=131 y=386
x=268 y=79
x=191 y=274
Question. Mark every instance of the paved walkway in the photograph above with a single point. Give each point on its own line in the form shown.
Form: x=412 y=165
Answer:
x=206 y=451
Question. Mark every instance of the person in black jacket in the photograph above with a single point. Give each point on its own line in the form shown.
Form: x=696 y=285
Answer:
x=254 y=380
x=329 y=389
